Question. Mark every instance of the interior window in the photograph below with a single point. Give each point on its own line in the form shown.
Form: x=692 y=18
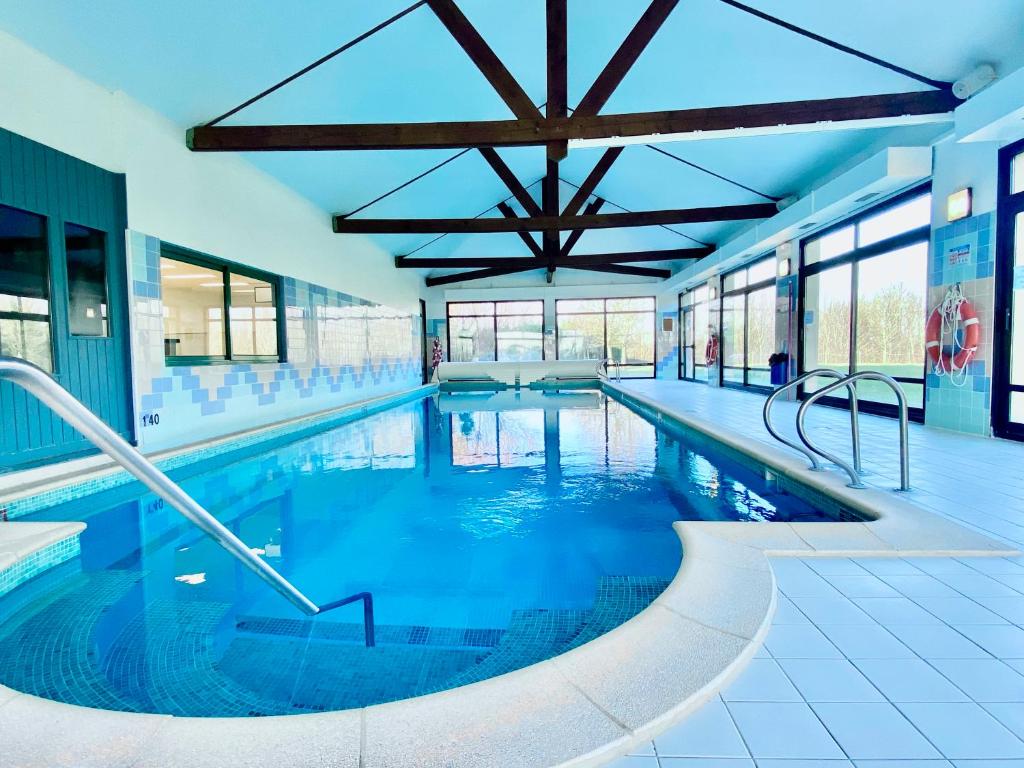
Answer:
x=198 y=297
x=24 y=288
x=86 y=251
x=253 y=317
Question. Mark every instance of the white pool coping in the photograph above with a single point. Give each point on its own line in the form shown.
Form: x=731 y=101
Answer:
x=581 y=708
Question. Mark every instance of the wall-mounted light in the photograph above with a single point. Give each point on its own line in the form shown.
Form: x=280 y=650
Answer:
x=783 y=267
x=713 y=292
x=958 y=205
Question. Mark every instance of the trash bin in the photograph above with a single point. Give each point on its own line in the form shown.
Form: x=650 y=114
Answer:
x=779 y=366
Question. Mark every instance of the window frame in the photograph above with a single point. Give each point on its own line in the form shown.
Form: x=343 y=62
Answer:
x=494 y=324
x=48 y=246
x=106 y=278
x=653 y=365
x=225 y=267
x=853 y=257
x=1008 y=205
x=745 y=290
x=684 y=311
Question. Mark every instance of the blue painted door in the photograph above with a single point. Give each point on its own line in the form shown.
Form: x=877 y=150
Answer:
x=88 y=336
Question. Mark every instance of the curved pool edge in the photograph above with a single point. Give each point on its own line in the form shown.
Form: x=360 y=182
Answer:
x=582 y=708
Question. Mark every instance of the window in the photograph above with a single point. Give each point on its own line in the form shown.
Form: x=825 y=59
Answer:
x=505 y=331
x=620 y=329
x=694 y=326
x=864 y=301
x=748 y=324
x=24 y=288
x=86 y=251
x=1008 y=341
x=200 y=293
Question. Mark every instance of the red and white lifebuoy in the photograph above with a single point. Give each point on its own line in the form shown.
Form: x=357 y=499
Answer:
x=711 y=350
x=942 y=359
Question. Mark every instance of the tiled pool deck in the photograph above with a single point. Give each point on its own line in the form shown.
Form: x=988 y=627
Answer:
x=880 y=662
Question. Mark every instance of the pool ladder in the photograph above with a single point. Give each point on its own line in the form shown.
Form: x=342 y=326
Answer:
x=608 y=362
x=63 y=403
x=813 y=452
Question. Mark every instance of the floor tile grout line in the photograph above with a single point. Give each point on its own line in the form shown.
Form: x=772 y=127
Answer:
x=891 y=703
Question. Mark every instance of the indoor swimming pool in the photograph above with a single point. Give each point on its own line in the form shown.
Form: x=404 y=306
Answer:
x=493 y=531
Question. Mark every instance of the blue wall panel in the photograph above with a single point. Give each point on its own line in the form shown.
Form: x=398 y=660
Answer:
x=39 y=179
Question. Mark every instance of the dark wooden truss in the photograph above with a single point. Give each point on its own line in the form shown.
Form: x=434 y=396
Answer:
x=555 y=128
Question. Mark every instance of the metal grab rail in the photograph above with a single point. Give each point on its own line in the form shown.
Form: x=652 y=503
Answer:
x=618 y=368
x=64 y=404
x=851 y=380
x=810 y=452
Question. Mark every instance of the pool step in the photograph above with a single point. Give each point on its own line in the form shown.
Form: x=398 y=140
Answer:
x=52 y=647
x=619 y=598
x=386 y=634
x=326 y=676
x=532 y=636
x=172 y=669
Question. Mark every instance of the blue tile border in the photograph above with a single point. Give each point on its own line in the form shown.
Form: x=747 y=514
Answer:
x=38 y=562
x=293 y=430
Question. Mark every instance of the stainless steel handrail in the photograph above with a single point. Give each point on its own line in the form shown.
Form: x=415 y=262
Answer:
x=808 y=452
x=618 y=368
x=36 y=381
x=904 y=419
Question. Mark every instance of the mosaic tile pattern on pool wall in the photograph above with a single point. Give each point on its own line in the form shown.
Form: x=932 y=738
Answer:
x=963 y=252
x=667 y=345
x=340 y=348
x=38 y=562
x=293 y=430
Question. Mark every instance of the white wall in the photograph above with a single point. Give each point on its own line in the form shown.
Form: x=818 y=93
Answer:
x=215 y=203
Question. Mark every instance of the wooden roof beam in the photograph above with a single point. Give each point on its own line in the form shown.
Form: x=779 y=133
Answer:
x=625 y=57
x=619 y=269
x=485 y=59
x=671 y=125
x=554 y=223
x=478 y=274
x=586 y=260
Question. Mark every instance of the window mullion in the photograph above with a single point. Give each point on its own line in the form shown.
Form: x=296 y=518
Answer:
x=227 y=313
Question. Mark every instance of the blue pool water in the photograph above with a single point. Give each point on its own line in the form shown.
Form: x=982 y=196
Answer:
x=493 y=531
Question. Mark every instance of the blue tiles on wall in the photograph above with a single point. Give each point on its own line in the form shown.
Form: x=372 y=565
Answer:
x=963 y=252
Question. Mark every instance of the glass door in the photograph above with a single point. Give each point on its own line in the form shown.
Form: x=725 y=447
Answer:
x=1008 y=396
x=693 y=334
x=864 y=296
x=748 y=324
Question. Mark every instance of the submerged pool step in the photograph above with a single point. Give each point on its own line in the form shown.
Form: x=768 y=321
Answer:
x=326 y=676
x=177 y=667
x=51 y=646
x=533 y=635
x=386 y=634
x=619 y=598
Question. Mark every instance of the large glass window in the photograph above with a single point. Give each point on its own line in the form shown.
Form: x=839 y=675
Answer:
x=1008 y=392
x=86 y=251
x=199 y=293
x=505 y=331
x=864 y=300
x=622 y=330
x=693 y=330
x=24 y=288
x=748 y=324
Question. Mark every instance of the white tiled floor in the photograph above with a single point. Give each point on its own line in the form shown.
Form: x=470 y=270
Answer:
x=877 y=662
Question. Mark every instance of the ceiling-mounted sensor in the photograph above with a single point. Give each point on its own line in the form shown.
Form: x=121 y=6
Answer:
x=785 y=202
x=980 y=77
